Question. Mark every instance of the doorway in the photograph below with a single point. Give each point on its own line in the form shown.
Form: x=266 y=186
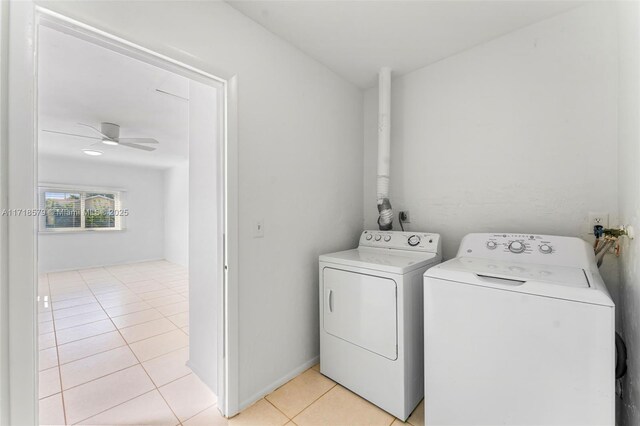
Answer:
x=69 y=193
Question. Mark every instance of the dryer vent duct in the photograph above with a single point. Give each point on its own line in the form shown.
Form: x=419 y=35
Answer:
x=385 y=212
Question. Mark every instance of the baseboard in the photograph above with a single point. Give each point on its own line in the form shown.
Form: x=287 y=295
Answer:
x=177 y=262
x=277 y=383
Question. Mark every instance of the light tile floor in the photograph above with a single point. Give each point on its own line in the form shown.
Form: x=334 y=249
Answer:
x=113 y=346
x=310 y=399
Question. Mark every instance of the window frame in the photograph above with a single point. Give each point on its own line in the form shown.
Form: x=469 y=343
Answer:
x=119 y=222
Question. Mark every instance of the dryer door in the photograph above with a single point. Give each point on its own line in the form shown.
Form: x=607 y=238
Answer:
x=361 y=309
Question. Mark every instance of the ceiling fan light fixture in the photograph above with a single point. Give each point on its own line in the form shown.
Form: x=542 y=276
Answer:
x=92 y=152
x=109 y=142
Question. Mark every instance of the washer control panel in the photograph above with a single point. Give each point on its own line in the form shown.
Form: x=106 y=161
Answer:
x=524 y=244
x=530 y=248
x=400 y=240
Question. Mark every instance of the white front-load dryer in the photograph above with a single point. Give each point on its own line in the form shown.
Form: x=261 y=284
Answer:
x=519 y=330
x=371 y=317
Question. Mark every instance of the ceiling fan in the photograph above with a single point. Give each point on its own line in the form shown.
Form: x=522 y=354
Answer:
x=109 y=134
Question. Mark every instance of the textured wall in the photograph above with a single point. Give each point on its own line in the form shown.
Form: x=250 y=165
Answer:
x=506 y=136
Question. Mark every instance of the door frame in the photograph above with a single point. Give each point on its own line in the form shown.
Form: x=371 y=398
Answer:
x=19 y=191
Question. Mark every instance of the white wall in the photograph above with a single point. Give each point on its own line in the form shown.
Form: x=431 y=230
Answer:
x=176 y=214
x=143 y=238
x=300 y=167
x=205 y=232
x=515 y=135
x=629 y=191
x=4 y=270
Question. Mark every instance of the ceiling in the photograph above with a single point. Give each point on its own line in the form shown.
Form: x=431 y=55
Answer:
x=356 y=38
x=81 y=82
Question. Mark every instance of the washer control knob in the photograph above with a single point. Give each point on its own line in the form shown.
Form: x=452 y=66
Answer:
x=491 y=245
x=545 y=248
x=369 y=237
x=387 y=238
x=516 y=247
x=378 y=237
x=413 y=240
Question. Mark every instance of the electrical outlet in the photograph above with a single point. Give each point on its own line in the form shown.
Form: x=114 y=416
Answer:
x=598 y=219
x=404 y=216
x=258 y=229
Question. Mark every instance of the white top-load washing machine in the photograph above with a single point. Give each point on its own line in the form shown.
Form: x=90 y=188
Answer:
x=371 y=317
x=519 y=330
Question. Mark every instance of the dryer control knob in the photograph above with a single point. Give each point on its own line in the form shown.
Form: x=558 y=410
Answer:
x=378 y=237
x=413 y=240
x=545 y=248
x=491 y=245
x=369 y=236
x=387 y=238
x=516 y=247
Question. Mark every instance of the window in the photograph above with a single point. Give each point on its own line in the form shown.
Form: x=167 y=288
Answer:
x=76 y=210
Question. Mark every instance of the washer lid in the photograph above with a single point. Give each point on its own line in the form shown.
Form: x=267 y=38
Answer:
x=387 y=260
x=544 y=280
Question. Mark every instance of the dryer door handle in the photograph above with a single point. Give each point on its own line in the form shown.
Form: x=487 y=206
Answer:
x=330 y=300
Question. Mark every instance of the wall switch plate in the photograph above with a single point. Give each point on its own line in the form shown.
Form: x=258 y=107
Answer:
x=258 y=229
x=404 y=216
x=598 y=219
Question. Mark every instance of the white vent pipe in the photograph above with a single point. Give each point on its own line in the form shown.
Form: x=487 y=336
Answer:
x=385 y=218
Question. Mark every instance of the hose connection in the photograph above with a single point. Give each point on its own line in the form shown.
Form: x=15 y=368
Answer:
x=606 y=238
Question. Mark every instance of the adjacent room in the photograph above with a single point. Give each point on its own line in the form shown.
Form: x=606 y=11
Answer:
x=320 y=213
x=115 y=278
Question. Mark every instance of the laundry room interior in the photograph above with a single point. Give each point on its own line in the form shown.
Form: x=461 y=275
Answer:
x=417 y=193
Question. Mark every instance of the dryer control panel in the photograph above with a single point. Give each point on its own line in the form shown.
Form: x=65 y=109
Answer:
x=529 y=248
x=400 y=240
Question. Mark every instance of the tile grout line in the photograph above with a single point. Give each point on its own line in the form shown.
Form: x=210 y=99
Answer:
x=151 y=379
x=155 y=387
x=117 y=347
x=88 y=337
x=122 y=337
x=55 y=336
x=154 y=383
x=111 y=408
x=107 y=332
x=72 y=306
x=97 y=353
x=279 y=410
x=61 y=384
x=312 y=402
x=95 y=295
x=129 y=289
x=202 y=411
x=80 y=325
x=128 y=345
x=122 y=369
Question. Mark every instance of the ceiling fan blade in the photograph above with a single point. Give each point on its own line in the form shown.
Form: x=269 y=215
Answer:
x=133 y=145
x=96 y=130
x=137 y=140
x=71 y=134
